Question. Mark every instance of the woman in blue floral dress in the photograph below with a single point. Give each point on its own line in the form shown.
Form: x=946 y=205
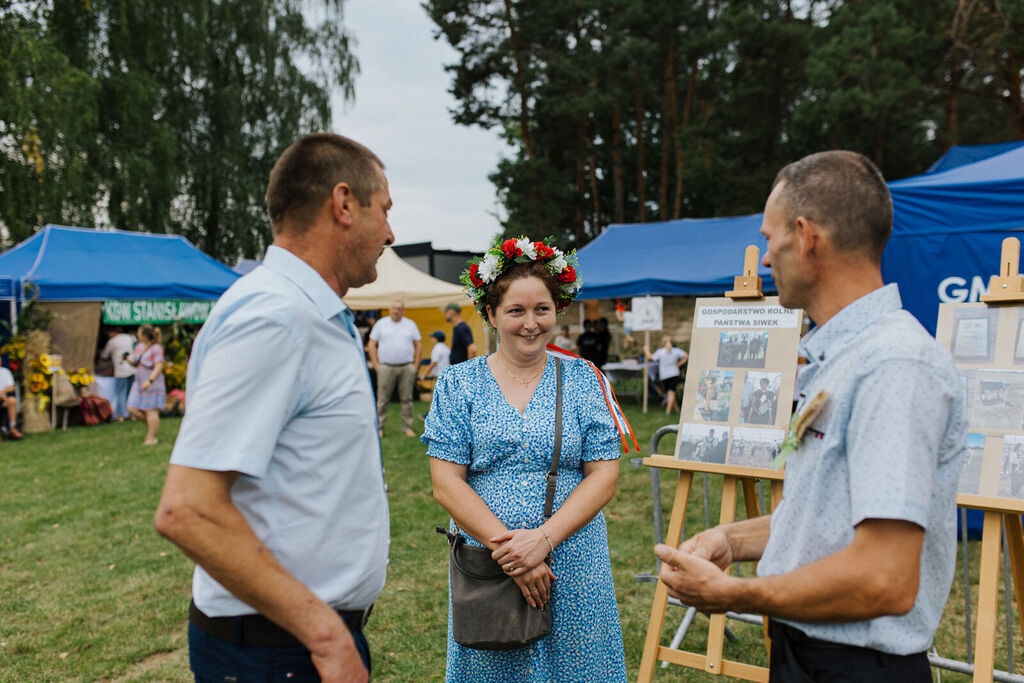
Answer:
x=490 y=435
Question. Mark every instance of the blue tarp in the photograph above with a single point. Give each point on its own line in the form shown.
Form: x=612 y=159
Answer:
x=689 y=257
x=78 y=264
x=959 y=155
x=948 y=229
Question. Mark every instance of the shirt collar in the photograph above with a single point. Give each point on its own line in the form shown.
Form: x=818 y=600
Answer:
x=311 y=283
x=822 y=341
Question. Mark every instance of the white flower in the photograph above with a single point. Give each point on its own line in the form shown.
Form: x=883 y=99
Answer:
x=526 y=246
x=489 y=267
x=558 y=263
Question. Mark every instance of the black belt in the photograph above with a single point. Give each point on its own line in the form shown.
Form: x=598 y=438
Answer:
x=256 y=629
x=396 y=365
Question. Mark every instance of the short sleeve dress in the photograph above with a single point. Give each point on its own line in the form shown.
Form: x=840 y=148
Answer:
x=155 y=397
x=508 y=455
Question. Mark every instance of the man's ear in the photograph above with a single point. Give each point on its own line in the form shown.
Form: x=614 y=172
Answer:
x=808 y=237
x=343 y=203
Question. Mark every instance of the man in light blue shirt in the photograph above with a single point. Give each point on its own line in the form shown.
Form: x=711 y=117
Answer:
x=275 y=487
x=856 y=562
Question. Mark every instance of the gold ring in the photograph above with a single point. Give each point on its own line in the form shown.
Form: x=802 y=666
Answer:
x=508 y=567
x=534 y=590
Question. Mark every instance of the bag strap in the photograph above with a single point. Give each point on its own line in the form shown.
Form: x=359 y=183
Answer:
x=549 y=497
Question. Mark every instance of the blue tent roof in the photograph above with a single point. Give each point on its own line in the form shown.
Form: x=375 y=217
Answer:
x=78 y=264
x=688 y=257
x=959 y=155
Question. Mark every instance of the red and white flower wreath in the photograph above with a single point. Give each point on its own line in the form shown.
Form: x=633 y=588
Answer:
x=482 y=273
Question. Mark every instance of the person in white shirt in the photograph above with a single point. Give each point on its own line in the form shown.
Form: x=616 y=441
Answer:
x=670 y=360
x=395 y=348
x=438 y=356
x=9 y=397
x=118 y=350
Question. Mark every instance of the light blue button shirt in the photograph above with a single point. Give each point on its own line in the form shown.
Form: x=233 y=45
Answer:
x=278 y=390
x=888 y=444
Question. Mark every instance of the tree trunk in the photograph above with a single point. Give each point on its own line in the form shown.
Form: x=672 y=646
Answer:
x=595 y=195
x=667 y=125
x=520 y=83
x=641 y=170
x=618 y=165
x=949 y=126
x=677 y=141
x=581 y=190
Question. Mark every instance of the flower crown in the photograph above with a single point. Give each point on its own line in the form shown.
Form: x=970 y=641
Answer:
x=483 y=272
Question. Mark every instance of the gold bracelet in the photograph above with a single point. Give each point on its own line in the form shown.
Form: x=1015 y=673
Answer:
x=546 y=537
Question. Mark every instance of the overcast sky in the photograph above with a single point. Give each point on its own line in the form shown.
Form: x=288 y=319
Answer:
x=437 y=170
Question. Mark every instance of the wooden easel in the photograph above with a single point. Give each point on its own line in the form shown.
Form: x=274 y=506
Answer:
x=1005 y=288
x=710 y=661
x=746 y=286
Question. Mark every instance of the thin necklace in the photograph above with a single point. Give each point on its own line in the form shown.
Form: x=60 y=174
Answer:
x=525 y=383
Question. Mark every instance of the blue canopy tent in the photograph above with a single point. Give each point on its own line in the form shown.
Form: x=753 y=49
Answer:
x=688 y=257
x=77 y=264
x=959 y=155
x=948 y=229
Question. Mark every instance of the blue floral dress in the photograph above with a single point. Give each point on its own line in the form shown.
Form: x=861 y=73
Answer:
x=508 y=455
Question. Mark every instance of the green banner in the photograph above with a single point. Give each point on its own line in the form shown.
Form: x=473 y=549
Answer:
x=155 y=311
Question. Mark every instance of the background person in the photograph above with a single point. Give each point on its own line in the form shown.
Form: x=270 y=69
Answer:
x=490 y=437
x=670 y=360
x=9 y=398
x=118 y=350
x=588 y=344
x=275 y=487
x=394 y=349
x=439 y=356
x=563 y=340
x=148 y=393
x=463 y=347
x=856 y=562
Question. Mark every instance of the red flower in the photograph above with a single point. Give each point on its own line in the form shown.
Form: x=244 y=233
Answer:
x=543 y=250
x=15 y=365
x=567 y=275
x=510 y=248
x=473 y=277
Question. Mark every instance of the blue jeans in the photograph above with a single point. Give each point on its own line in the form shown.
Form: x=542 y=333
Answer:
x=215 y=660
x=122 y=387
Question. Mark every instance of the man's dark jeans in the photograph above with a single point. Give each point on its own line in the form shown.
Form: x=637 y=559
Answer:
x=213 y=660
x=796 y=658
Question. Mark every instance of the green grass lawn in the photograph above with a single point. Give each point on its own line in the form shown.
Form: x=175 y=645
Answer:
x=88 y=591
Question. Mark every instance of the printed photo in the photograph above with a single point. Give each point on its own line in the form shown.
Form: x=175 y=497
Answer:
x=714 y=391
x=760 y=398
x=742 y=349
x=755 y=447
x=998 y=401
x=1018 y=347
x=1011 y=475
x=970 y=475
x=974 y=334
x=967 y=378
x=703 y=443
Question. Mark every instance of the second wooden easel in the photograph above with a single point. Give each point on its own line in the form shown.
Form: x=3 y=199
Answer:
x=1007 y=288
x=747 y=287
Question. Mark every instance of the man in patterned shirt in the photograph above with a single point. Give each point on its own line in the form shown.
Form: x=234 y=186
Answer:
x=856 y=563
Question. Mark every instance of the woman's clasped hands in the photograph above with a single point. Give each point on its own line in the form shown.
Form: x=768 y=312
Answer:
x=521 y=555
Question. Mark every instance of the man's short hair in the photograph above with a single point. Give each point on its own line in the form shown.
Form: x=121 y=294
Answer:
x=845 y=193
x=453 y=307
x=305 y=174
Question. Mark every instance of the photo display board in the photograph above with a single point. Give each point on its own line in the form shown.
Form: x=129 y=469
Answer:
x=987 y=344
x=740 y=380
